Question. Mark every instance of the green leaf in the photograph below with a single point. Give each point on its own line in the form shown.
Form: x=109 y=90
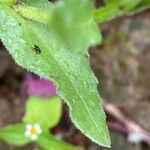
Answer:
x=48 y=142
x=74 y=24
x=63 y=43
x=14 y=134
x=144 y=4
x=107 y=13
x=131 y=6
x=42 y=4
x=111 y=1
x=46 y=112
x=124 y=3
x=116 y=8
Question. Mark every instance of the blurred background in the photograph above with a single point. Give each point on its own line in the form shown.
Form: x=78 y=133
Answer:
x=121 y=64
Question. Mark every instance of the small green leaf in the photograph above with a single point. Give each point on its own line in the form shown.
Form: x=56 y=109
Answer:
x=46 y=112
x=130 y=6
x=144 y=4
x=111 y=1
x=116 y=8
x=14 y=134
x=48 y=142
x=75 y=26
x=107 y=13
x=123 y=3
x=63 y=43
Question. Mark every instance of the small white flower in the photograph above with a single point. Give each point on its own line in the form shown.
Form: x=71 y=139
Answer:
x=135 y=137
x=33 y=131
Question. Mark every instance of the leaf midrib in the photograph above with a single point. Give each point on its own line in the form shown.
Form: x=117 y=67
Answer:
x=47 y=47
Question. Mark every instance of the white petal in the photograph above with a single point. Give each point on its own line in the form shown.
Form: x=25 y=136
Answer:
x=27 y=133
x=34 y=137
x=28 y=127
x=38 y=128
x=135 y=137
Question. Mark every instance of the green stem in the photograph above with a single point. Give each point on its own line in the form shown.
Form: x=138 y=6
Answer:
x=114 y=9
x=101 y=15
x=107 y=13
x=33 y=13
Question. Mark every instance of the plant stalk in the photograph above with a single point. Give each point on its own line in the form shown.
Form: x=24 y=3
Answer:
x=114 y=9
x=33 y=13
x=101 y=15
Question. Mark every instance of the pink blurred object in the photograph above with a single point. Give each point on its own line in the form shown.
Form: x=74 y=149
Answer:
x=125 y=125
x=35 y=86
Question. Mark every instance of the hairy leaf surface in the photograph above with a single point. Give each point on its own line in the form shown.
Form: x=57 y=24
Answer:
x=58 y=50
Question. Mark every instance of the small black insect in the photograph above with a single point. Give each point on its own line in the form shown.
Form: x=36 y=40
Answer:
x=37 y=49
